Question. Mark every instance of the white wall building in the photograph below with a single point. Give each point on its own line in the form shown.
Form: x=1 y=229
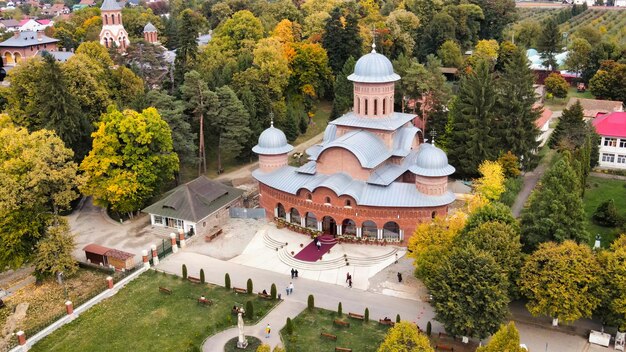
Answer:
x=612 y=128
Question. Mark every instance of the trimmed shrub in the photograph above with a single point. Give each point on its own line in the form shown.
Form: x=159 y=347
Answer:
x=249 y=310
x=249 y=286
x=264 y=348
x=278 y=349
x=429 y=328
x=311 y=302
x=227 y=281
x=273 y=291
x=289 y=326
x=366 y=316
x=339 y=309
x=606 y=214
x=397 y=318
x=202 y=276
x=184 y=271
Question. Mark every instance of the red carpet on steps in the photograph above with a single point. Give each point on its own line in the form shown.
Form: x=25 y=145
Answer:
x=310 y=252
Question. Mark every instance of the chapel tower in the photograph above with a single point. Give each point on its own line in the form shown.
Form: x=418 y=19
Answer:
x=113 y=32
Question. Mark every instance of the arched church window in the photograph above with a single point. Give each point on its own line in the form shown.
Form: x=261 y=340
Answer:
x=384 y=106
x=375 y=107
x=366 y=106
x=327 y=200
x=119 y=18
x=358 y=105
x=106 y=19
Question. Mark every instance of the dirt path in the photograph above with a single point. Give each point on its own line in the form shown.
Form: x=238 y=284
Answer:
x=530 y=181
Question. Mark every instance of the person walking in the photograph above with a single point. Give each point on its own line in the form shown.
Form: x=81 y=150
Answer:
x=318 y=244
x=350 y=282
x=268 y=330
x=400 y=277
x=293 y=273
x=347 y=276
x=296 y=272
x=287 y=289
x=291 y=288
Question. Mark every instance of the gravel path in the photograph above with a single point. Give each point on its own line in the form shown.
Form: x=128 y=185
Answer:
x=530 y=181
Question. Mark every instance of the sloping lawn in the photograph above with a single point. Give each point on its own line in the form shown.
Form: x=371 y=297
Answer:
x=308 y=325
x=140 y=318
x=598 y=190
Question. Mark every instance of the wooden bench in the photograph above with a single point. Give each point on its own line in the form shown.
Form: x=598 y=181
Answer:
x=264 y=296
x=356 y=316
x=165 y=290
x=240 y=290
x=343 y=349
x=444 y=348
x=341 y=323
x=328 y=336
x=211 y=236
x=195 y=280
x=386 y=322
x=206 y=302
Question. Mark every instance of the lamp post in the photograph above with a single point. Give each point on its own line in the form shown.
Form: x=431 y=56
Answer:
x=598 y=242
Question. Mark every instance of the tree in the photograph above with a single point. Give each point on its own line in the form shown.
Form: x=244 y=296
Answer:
x=289 y=326
x=510 y=165
x=485 y=50
x=147 y=60
x=504 y=340
x=491 y=183
x=339 y=309
x=561 y=281
x=609 y=81
x=184 y=272
x=556 y=85
x=227 y=281
x=132 y=157
x=402 y=24
x=506 y=52
x=498 y=14
x=37 y=180
x=264 y=348
x=578 y=55
x=273 y=291
x=450 y=54
x=310 y=302
x=343 y=90
x=606 y=214
x=494 y=211
x=467 y=18
x=613 y=263
x=249 y=310
x=230 y=123
x=126 y=86
x=249 y=286
x=469 y=293
x=53 y=254
x=341 y=38
x=404 y=337
x=202 y=280
x=270 y=60
x=555 y=210
x=516 y=108
x=472 y=120
x=571 y=128
x=549 y=43
x=189 y=23
x=441 y=28
x=311 y=73
x=96 y=52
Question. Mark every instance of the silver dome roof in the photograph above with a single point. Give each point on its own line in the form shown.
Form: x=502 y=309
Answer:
x=373 y=68
x=431 y=161
x=149 y=28
x=272 y=141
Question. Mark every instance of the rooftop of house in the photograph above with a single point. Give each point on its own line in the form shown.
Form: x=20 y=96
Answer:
x=61 y=56
x=10 y=23
x=26 y=39
x=611 y=125
x=543 y=118
x=593 y=107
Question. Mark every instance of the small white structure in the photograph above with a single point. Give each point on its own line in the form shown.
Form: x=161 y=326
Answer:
x=620 y=3
x=612 y=128
x=599 y=338
x=620 y=339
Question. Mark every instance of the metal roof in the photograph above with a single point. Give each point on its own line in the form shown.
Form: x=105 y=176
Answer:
x=330 y=133
x=386 y=174
x=110 y=5
x=194 y=200
x=373 y=68
x=397 y=194
x=96 y=249
x=308 y=168
x=403 y=140
x=367 y=147
x=272 y=141
x=431 y=161
x=61 y=56
x=149 y=28
x=391 y=123
x=27 y=38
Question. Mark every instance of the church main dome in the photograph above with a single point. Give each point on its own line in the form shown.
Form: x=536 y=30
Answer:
x=431 y=161
x=272 y=141
x=373 y=68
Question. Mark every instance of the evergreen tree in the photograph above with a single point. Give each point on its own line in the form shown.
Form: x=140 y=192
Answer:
x=555 y=209
x=472 y=138
x=549 y=43
x=188 y=29
x=516 y=97
x=231 y=124
x=341 y=38
x=571 y=129
x=291 y=127
x=469 y=293
x=343 y=90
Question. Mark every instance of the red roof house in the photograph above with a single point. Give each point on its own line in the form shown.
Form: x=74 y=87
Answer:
x=612 y=128
x=612 y=125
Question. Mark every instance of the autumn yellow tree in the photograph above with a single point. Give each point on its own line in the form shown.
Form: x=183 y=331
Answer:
x=491 y=183
x=504 y=340
x=404 y=337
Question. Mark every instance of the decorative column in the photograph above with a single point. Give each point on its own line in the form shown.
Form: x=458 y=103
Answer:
x=181 y=238
x=21 y=338
x=288 y=217
x=109 y=282
x=174 y=245
x=275 y=212
x=302 y=221
x=379 y=234
x=155 y=255
x=401 y=235
x=339 y=230
x=144 y=258
x=359 y=232
x=69 y=308
x=319 y=226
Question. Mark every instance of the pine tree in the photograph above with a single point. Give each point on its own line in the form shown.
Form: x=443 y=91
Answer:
x=555 y=209
x=549 y=43
x=343 y=90
x=231 y=124
x=516 y=115
x=188 y=28
x=472 y=138
x=571 y=128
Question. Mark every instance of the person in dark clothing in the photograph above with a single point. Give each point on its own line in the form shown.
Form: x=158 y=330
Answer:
x=350 y=282
x=293 y=273
x=347 y=277
x=399 y=277
x=296 y=273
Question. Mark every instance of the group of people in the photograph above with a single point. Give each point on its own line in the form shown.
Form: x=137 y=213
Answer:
x=290 y=288
x=294 y=273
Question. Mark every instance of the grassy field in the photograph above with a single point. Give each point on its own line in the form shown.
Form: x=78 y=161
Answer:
x=598 y=190
x=308 y=325
x=140 y=318
x=320 y=121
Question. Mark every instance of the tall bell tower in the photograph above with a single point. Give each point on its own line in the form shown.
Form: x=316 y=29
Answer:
x=113 y=32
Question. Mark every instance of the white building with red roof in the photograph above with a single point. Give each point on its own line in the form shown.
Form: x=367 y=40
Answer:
x=612 y=128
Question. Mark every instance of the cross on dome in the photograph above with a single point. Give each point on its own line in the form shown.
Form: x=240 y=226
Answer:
x=271 y=119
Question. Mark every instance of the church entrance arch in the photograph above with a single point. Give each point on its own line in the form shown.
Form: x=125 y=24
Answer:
x=295 y=216
x=329 y=225
x=8 y=58
x=311 y=221
x=280 y=211
x=391 y=231
x=370 y=229
x=348 y=227
x=17 y=57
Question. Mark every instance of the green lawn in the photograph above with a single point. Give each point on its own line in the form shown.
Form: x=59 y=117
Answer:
x=320 y=121
x=598 y=190
x=308 y=325
x=559 y=104
x=140 y=318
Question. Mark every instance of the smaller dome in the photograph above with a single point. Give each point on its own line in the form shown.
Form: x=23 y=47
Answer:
x=373 y=68
x=149 y=28
x=272 y=141
x=431 y=161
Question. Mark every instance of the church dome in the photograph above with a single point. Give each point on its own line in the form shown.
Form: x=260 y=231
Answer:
x=373 y=68
x=272 y=141
x=149 y=28
x=431 y=161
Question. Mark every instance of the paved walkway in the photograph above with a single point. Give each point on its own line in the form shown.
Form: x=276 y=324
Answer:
x=607 y=176
x=530 y=181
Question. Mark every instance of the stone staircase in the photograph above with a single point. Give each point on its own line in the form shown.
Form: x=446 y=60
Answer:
x=272 y=243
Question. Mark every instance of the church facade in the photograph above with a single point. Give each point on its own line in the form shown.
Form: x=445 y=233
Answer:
x=113 y=32
x=372 y=176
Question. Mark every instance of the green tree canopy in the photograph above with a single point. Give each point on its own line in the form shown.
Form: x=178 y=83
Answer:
x=344 y=91
x=53 y=254
x=404 y=337
x=450 y=54
x=341 y=38
x=505 y=340
x=556 y=85
x=571 y=128
x=494 y=211
x=549 y=43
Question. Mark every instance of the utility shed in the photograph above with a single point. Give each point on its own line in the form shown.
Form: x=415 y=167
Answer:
x=96 y=254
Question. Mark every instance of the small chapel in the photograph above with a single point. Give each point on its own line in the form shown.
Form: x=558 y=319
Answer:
x=372 y=176
x=113 y=32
